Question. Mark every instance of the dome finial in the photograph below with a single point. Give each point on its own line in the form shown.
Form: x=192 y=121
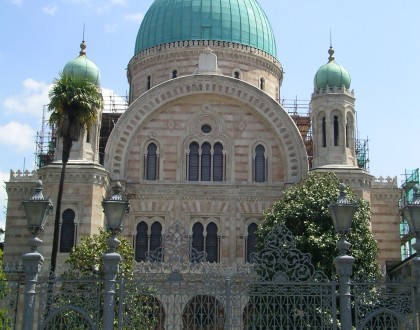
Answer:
x=83 y=44
x=331 y=52
x=82 y=48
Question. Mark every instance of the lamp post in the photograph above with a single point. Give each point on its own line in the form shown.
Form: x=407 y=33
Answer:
x=411 y=212
x=115 y=209
x=342 y=212
x=36 y=210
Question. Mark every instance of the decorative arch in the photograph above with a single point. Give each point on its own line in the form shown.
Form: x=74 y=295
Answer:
x=116 y=153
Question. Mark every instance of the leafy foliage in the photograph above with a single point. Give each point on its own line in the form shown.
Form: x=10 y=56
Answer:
x=74 y=104
x=304 y=210
x=86 y=256
x=5 y=319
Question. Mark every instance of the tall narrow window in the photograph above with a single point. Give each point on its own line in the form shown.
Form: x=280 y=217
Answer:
x=151 y=162
x=174 y=74
x=197 y=241
x=218 y=162
x=251 y=241
x=335 y=131
x=262 y=84
x=212 y=243
x=259 y=163
x=142 y=242
x=206 y=162
x=67 y=231
x=347 y=135
x=194 y=161
x=156 y=241
x=149 y=82
x=324 y=132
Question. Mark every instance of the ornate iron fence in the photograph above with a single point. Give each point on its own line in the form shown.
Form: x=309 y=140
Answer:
x=280 y=290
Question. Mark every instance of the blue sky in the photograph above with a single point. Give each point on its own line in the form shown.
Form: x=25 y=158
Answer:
x=377 y=41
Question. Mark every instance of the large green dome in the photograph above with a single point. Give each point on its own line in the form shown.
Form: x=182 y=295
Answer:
x=239 y=21
x=82 y=68
x=332 y=74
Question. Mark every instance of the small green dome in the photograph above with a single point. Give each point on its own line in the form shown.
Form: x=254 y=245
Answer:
x=238 y=21
x=82 y=68
x=332 y=74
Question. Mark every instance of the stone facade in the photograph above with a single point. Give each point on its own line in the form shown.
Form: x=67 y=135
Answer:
x=228 y=102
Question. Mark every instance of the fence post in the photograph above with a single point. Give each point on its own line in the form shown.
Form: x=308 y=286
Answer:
x=228 y=307
x=32 y=263
x=111 y=264
x=344 y=265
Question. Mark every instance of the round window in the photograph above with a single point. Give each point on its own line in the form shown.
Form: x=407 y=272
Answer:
x=206 y=128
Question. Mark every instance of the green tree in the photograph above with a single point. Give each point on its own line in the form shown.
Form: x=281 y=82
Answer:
x=74 y=104
x=303 y=209
x=139 y=305
x=86 y=256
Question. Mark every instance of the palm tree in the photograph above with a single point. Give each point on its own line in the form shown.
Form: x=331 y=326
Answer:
x=74 y=103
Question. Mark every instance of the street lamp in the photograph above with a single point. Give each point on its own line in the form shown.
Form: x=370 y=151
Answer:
x=342 y=212
x=115 y=209
x=36 y=209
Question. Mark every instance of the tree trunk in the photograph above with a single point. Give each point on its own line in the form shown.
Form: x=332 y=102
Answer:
x=67 y=144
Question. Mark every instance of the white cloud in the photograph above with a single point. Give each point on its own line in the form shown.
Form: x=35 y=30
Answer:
x=50 y=10
x=31 y=100
x=137 y=17
x=110 y=28
x=17 y=135
x=119 y=2
x=16 y=2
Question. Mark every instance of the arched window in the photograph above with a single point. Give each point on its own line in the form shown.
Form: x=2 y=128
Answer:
x=151 y=162
x=260 y=175
x=68 y=230
x=205 y=162
x=156 y=240
x=212 y=243
x=218 y=162
x=324 y=132
x=251 y=241
x=149 y=82
x=335 y=131
x=236 y=75
x=197 y=241
x=194 y=161
x=174 y=74
x=142 y=242
x=262 y=84
x=207 y=165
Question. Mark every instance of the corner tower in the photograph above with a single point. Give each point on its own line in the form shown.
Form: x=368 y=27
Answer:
x=333 y=117
x=86 y=148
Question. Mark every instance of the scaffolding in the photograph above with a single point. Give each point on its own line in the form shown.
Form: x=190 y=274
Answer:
x=300 y=112
x=45 y=142
x=411 y=178
x=362 y=153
